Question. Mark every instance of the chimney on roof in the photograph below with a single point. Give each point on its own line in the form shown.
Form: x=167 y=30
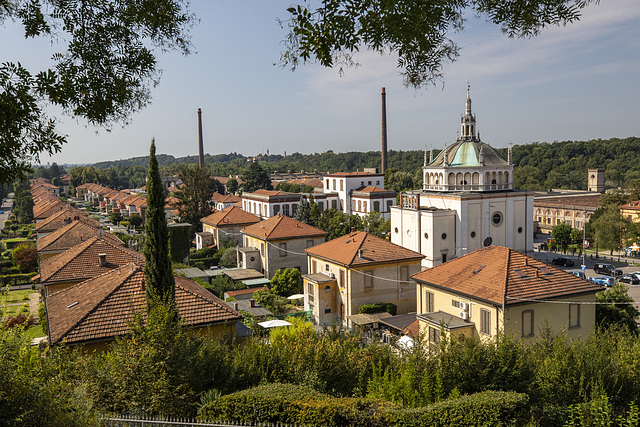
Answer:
x=200 y=143
x=235 y=305
x=102 y=260
x=252 y=302
x=384 y=131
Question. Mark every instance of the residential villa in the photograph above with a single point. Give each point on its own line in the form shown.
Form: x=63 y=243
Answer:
x=97 y=311
x=77 y=231
x=59 y=220
x=498 y=289
x=357 y=269
x=226 y=224
x=277 y=243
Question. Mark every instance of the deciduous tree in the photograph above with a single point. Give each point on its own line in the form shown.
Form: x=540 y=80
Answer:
x=286 y=282
x=562 y=235
x=615 y=307
x=195 y=195
x=417 y=31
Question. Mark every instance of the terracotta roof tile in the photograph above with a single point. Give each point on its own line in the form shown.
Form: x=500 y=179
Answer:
x=42 y=211
x=282 y=227
x=58 y=219
x=72 y=234
x=496 y=274
x=344 y=250
x=232 y=215
x=81 y=261
x=101 y=308
x=350 y=174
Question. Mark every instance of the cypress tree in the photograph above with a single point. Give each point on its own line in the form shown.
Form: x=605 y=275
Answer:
x=158 y=273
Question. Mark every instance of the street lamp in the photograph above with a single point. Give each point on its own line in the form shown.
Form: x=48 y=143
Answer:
x=596 y=248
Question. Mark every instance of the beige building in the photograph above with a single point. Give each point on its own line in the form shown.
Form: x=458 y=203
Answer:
x=358 y=269
x=277 y=243
x=227 y=224
x=467 y=202
x=498 y=289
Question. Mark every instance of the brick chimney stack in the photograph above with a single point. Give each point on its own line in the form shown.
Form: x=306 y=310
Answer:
x=384 y=131
x=200 y=143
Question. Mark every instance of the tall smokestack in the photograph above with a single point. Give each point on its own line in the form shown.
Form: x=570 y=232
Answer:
x=200 y=144
x=384 y=131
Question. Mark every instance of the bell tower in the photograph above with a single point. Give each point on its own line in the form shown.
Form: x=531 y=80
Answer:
x=468 y=121
x=595 y=180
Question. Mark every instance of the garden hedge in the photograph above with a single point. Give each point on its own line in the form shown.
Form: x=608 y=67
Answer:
x=294 y=404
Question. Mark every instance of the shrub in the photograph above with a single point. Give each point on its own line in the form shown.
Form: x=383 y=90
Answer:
x=19 y=319
x=488 y=408
x=389 y=307
x=203 y=253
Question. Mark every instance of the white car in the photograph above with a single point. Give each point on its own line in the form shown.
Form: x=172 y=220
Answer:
x=636 y=273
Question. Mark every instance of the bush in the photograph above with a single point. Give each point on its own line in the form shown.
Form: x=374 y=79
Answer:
x=380 y=307
x=488 y=408
x=294 y=404
x=20 y=319
x=203 y=253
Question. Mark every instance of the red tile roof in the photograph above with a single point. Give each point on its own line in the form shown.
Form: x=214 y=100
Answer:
x=58 y=219
x=81 y=261
x=350 y=174
x=497 y=274
x=282 y=227
x=74 y=233
x=345 y=250
x=232 y=215
x=101 y=308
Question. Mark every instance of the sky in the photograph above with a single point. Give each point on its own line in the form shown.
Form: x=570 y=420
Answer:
x=577 y=82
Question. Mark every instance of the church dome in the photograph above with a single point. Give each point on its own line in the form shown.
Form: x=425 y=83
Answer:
x=468 y=154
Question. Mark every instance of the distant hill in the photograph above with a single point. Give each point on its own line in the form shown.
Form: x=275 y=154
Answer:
x=538 y=165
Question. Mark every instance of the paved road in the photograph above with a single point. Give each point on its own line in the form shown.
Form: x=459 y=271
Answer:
x=626 y=267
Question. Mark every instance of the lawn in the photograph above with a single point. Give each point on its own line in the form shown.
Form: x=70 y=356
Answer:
x=14 y=297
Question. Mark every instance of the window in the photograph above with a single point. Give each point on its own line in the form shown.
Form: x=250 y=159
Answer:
x=434 y=335
x=276 y=209
x=404 y=274
x=334 y=204
x=314 y=266
x=262 y=249
x=334 y=184
x=362 y=183
x=326 y=267
x=364 y=206
x=327 y=311
x=309 y=243
x=455 y=303
x=283 y=249
x=369 y=183
x=341 y=279
x=327 y=184
x=368 y=279
x=376 y=206
x=285 y=210
x=527 y=323
x=341 y=185
x=444 y=258
x=360 y=205
x=428 y=302
x=377 y=182
x=389 y=203
x=310 y=291
x=574 y=316
x=294 y=208
x=485 y=322
x=321 y=205
x=496 y=219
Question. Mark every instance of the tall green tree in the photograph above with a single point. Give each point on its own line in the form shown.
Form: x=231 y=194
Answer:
x=607 y=226
x=103 y=72
x=158 y=273
x=303 y=213
x=286 y=282
x=195 y=196
x=562 y=235
x=417 y=31
x=255 y=178
x=232 y=186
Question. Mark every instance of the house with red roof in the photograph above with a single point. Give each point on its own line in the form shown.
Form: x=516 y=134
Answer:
x=97 y=311
x=277 y=243
x=498 y=289
x=357 y=269
x=227 y=224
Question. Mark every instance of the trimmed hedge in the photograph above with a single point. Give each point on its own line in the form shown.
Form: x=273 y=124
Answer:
x=294 y=404
x=16 y=279
x=380 y=307
x=488 y=408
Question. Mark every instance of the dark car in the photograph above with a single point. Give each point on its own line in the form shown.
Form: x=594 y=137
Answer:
x=563 y=261
x=630 y=279
x=607 y=269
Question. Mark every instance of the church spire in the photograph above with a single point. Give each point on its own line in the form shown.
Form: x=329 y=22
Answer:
x=468 y=121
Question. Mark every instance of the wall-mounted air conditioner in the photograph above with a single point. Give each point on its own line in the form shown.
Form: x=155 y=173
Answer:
x=464 y=306
x=464 y=315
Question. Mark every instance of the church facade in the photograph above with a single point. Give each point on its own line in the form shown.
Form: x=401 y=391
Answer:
x=467 y=202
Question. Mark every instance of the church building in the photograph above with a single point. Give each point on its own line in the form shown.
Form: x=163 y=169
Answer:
x=467 y=202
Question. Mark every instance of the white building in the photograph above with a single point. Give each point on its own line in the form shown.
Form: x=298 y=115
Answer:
x=467 y=202
x=360 y=193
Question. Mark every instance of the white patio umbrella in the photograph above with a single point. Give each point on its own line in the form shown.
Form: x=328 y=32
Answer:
x=274 y=323
x=296 y=296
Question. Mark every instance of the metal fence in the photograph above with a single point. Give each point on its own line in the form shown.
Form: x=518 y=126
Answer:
x=159 y=421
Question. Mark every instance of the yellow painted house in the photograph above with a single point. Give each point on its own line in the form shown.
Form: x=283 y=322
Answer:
x=357 y=269
x=498 y=289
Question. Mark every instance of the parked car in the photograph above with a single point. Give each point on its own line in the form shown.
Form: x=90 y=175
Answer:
x=563 y=261
x=607 y=269
x=605 y=281
x=630 y=279
x=579 y=273
x=637 y=274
